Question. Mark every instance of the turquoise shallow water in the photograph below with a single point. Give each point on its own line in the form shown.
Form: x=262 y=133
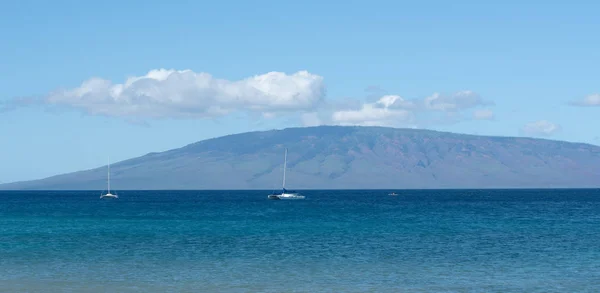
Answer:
x=334 y=241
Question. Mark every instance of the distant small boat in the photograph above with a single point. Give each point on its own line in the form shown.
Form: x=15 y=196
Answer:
x=108 y=194
x=285 y=194
x=393 y=194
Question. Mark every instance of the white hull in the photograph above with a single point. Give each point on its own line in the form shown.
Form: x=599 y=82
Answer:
x=286 y=196
x=109 y=196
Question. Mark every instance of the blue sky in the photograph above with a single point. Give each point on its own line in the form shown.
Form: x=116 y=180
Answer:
x=507 y=68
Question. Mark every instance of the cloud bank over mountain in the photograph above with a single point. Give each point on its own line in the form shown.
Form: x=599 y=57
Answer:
x=175 y=94
x=170 y=93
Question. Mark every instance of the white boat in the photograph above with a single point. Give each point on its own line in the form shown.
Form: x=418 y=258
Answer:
x=108 y=194
x=285 y=194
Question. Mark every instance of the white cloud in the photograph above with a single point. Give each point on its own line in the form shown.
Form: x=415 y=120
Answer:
x=394 y=110
x=541 y=128
x=169 y=93
x=589 y=101
x=483 y=114
x=387 y=111
x=456 y=102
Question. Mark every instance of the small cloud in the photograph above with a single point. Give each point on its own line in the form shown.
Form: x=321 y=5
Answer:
x=592 y=100
x=396 y=102
x=455 y=102
x=394 y=110
x=541 y=128
x=373 y=115
x=483 y=114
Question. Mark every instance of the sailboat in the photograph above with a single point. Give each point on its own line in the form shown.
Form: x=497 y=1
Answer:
x=285 y=194
x=108 y=194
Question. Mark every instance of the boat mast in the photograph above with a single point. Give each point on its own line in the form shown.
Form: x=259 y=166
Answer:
x=284 y=167
x=108 y=174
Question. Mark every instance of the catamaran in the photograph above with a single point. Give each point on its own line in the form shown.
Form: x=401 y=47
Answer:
x=108 y=194
x=285 y=194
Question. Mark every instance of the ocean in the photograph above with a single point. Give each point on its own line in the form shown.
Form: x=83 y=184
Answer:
x=333 y=241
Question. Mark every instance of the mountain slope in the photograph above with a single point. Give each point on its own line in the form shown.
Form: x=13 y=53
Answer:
x=341 y=157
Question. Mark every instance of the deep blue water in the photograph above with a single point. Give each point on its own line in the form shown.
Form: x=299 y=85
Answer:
x=333 y=241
